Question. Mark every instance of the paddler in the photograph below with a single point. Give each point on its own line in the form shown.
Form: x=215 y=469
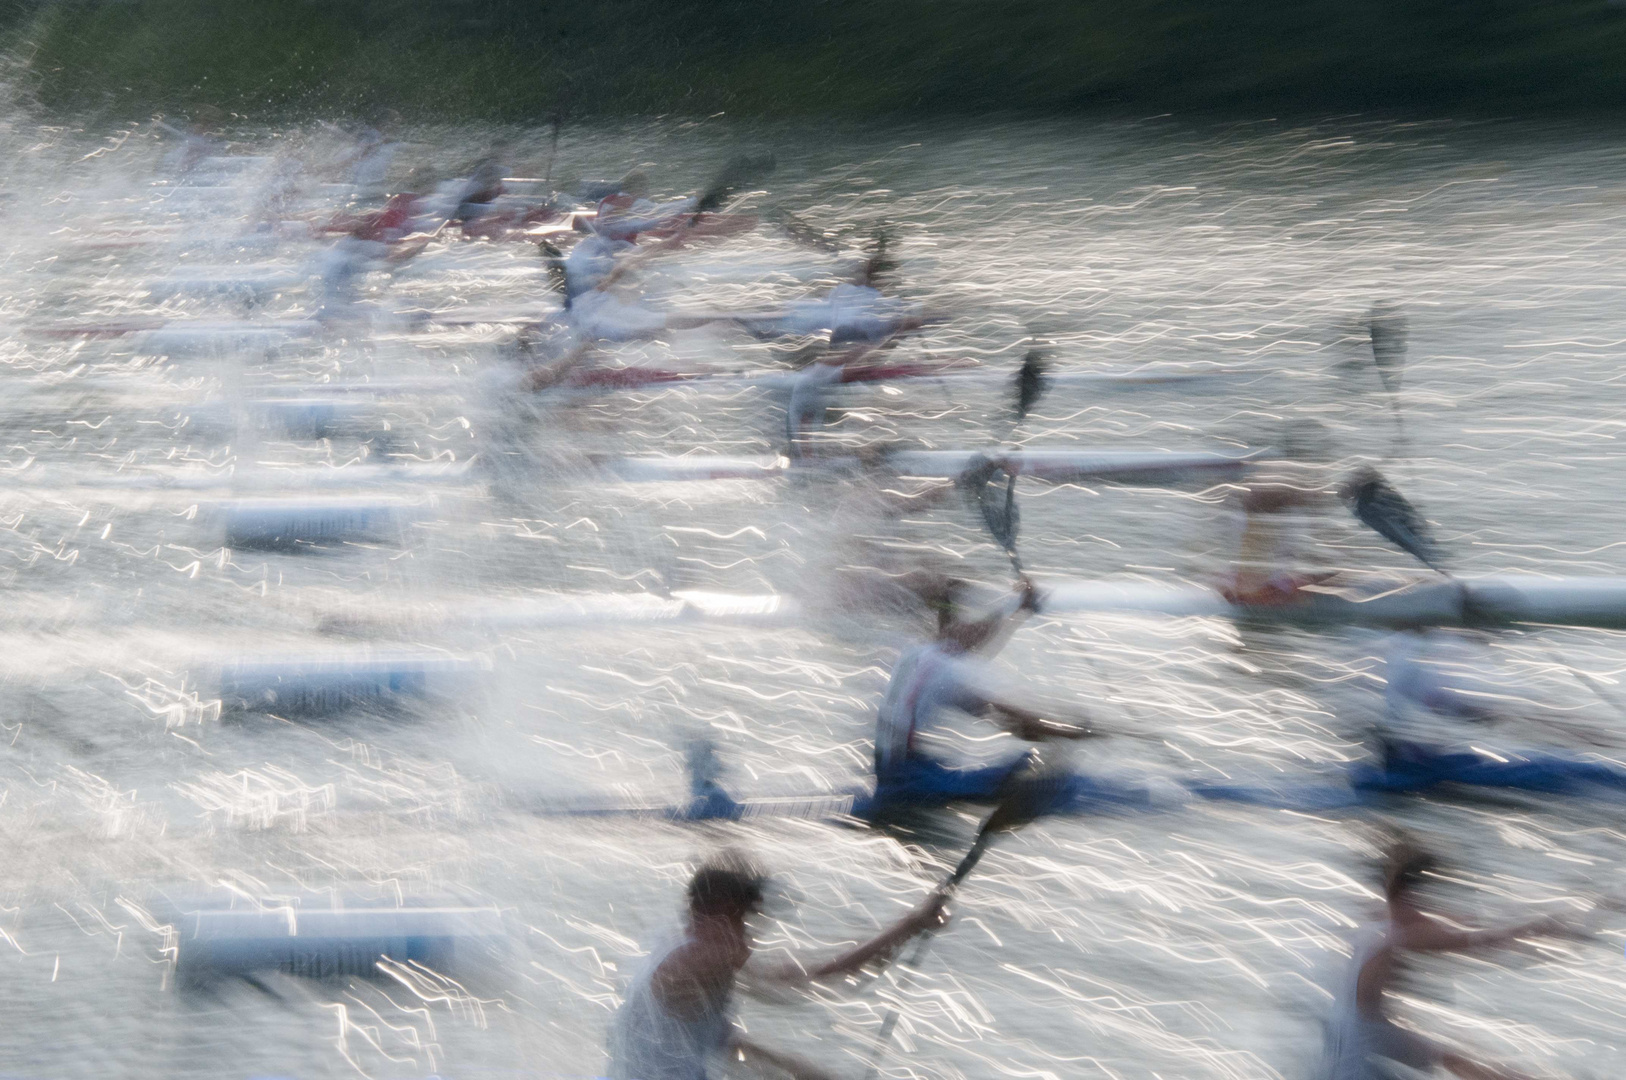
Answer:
x=675 y=1021
x=854 y=312
x=809 y=396
x=479 y=193
x=1279 y=500
x=1441 y=696
x=941 y=675
x=1361 y=1036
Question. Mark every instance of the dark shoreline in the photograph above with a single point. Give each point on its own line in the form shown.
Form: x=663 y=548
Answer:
x=523 y=60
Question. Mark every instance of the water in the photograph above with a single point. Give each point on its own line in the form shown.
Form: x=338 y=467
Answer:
x=1191 y=944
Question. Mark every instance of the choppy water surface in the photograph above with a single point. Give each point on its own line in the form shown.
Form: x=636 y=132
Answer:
x=1190 y=944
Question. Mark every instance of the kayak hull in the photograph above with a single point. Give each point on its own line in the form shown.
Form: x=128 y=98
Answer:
x=1499 y=600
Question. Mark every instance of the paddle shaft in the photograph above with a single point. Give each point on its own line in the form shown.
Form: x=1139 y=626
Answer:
x=973 y=855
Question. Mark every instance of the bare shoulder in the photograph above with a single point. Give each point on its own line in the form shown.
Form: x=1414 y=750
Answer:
x=692 y=977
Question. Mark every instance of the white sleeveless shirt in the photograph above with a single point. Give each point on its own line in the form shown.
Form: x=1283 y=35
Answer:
x=648 y=1043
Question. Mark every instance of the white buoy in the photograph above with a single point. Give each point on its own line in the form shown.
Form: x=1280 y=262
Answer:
x=328 y=943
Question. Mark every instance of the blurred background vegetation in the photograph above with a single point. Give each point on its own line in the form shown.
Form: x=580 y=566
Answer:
x=518 y=60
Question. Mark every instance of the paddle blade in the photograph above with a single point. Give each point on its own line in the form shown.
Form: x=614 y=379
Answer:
x=1387 y=326
x=880 y=263
x=1031 y=790
x=1388 y=513
x=1031 y=383
x=994 y=499
x=555 y=261
x=735 y=175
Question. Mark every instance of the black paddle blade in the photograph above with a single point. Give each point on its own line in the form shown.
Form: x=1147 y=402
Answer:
x=1387 y=326
x=1386 y=512
x=981 y=484
x=735 y=175
x=880 y=263
x=1031 y=791
x=555 y=261
x=802 y=233
x=1031 y=383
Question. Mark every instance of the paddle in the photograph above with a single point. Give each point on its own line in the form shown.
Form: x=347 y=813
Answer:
x=1387 y=328
x=1028 y=791
x=1388 y=513
x=736 y=174
x=1032 y=380
x=998 y=510
x=1378 y=506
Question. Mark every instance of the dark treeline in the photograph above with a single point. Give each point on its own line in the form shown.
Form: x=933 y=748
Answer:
x=522 y=59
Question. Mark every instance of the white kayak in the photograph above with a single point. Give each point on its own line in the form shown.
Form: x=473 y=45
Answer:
x=1493 y=600
x=568 y=610
x=1054 y=465
x=262 y=478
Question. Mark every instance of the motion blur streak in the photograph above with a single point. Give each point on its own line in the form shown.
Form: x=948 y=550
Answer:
x=532 y=635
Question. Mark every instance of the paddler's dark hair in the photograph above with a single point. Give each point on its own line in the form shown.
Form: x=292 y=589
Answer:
x=729 y=884
x=943 y=597
x=1405 y=863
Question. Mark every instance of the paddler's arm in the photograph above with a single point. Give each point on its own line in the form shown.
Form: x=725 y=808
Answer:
x=1035 y=728
x=926 y=915
x=989 y=633
x=1417 y=931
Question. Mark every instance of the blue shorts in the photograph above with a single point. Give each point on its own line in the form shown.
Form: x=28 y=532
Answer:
x=921 y=780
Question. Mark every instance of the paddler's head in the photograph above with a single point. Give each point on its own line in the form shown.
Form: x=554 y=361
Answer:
x=635 y=183
x=1361 y=480
x=940 y=594
x=1405 y=864
x=726 y=891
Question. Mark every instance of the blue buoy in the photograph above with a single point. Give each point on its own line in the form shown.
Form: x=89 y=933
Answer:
x=290 y=523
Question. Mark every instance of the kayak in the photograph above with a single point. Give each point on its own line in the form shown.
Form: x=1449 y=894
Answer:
x=261 y=478
x=1494 y=600
x=631 y=378
x=1053 y=465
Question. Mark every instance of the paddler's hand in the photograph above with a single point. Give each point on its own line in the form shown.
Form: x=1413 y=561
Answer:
x=1030 y=594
